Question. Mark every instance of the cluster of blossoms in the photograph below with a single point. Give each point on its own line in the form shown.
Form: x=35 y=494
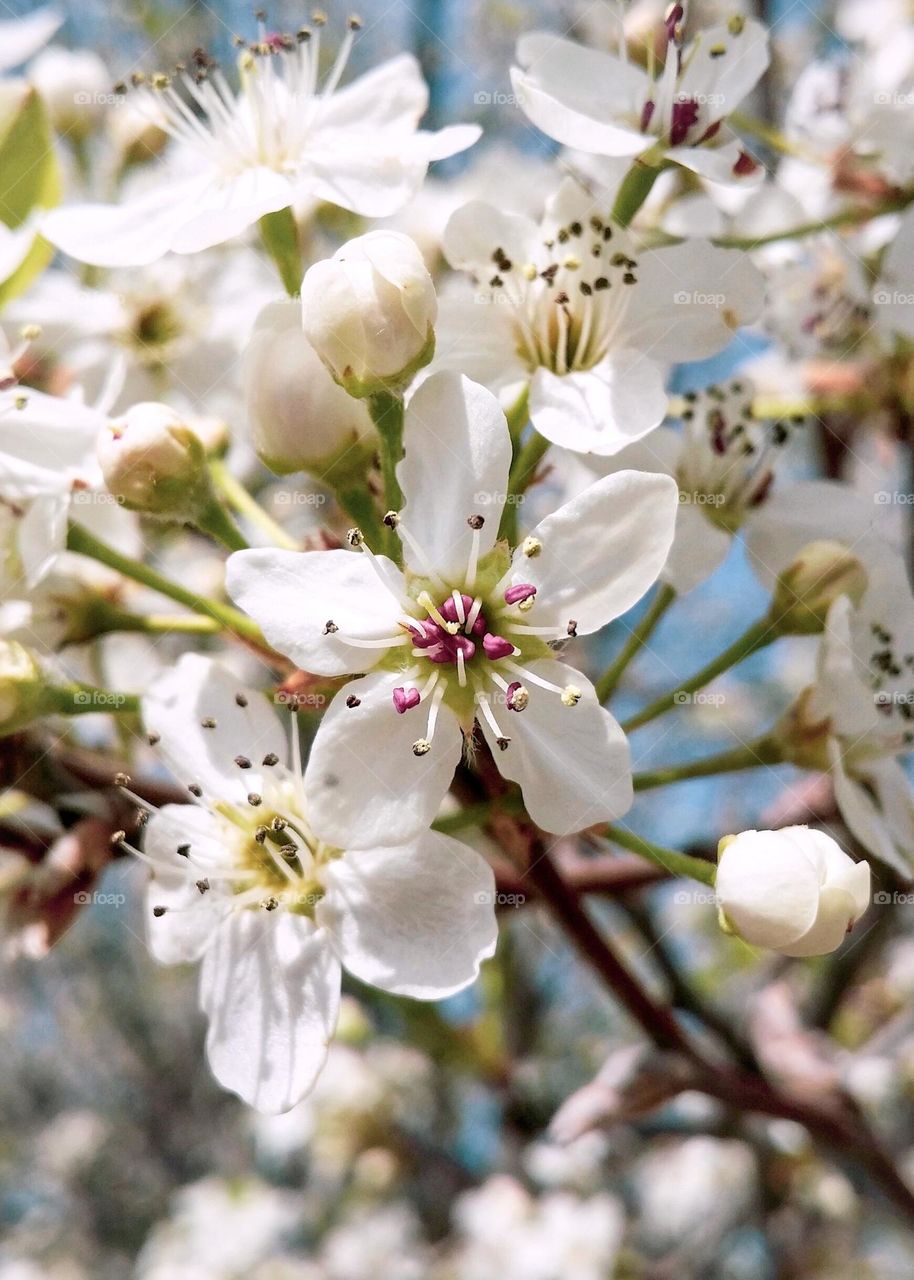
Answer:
x=387 y=685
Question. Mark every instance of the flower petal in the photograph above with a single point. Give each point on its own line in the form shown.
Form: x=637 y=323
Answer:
x=180 y=707
x=476 y=230
x=293 y=595
x=365 y=786
x=572 y=763
x=224 y=209
x=863 y=816
x=270 y=986
x=457 y=455
x=191 y=918
x=601 y=551
x=417 y=919
x=603 y=409
x=699 y=548
x=690 y=299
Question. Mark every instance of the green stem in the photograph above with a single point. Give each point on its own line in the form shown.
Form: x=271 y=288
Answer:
x=762 y=632
x=635 y=188
x=85 y=543
x=82 y=699
x=676 y=863
x=387 y=414
x=216 y=521
x=519 y=414
x=238 y=498
x=771 y=137
x=750 y=755
x=638 y=637
x=844 y=218
x=527 y=458
x=279 y=233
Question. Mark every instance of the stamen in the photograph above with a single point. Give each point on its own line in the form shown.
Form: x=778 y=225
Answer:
x=488 y=715
x=476 y=523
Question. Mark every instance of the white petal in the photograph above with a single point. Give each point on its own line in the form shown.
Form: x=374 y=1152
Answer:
x=132 y=234
x=392 y=94
x=863 y=816
x=892 y=296
x=600 y=551
x=417 y=919
x=477 y=229
x=842 y=693
x=47 y=444
x=834 y=918
x=572 y=763
x=224 y=209
x=603 y=409
x=457 y=455
x=42 y=535
x=720 y=164
x=699 y=548
x=21 y=37
x=191 y=918
x=365 y=786
x=270 y=986
x=197 y=689
x=723 y=80
x=292 y=595
x=479 y=341
x=690 y=299
x=769 y=888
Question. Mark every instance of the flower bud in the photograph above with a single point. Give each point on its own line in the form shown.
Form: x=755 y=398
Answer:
x=808 y=588
x=369 y=312
x=75 y=85
x=300 y=419
x=22 y=687
x=794 y=891
x=153 y=462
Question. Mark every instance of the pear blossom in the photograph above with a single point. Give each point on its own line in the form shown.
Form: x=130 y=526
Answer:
x=244 y=880
x=858 y=716
x=601 y=103
x=282 y=140
x=464 y=633
x=794 y=890
x=590 y=321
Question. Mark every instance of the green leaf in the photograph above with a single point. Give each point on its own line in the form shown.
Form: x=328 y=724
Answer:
x=29 y=177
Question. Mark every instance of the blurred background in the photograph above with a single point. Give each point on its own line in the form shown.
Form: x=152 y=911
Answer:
x=429 y=1148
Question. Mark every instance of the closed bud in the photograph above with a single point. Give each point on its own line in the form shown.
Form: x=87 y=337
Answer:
x=808 y=588
x=300 y=419
x=75 y=85
x=153 y=462
x=794 y=891
x=369 y=312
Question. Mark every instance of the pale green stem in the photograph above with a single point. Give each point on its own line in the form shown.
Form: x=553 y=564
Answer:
x=85 y=543
x=279 y=233
x=237 y=496
x=762 y=632
x=676 y=863
x=386 y=411
x=844 y=218
x=214 y=520
x=638 y=637
x=523 y=471
x=751 y=755
x=635 y=189
x=82 y=699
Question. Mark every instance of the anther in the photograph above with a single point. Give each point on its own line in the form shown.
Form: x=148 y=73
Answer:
x=242 y=762
x=392 y=519
x=352 y=701
x=195 y=789
x=517 y=697
x=330 y=627
x=202 y=885
x=571 y=696
x=158 y=912
x=207 y=723
x=270 y=759
x=153 y=738
x=572 y=628
x=355 y=537
x=240 y=700
x=183 y=850
x=476 y=521
x=531 y=547
x=503 y=743
x=254 y=799
x=122 y=779
x=421 y=747
x=117 y=837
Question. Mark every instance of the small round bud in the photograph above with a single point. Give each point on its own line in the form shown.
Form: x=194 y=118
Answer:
x=153 y=462
x=794 y=890
x=300 y=419
x=369 y=312
x=806 y=590
x=75 y=85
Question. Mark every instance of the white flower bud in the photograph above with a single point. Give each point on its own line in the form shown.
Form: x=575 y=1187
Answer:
x=793 y=890
x=75 y=85
x=369 y=312
x=300 y=419
x=153 y=462
x=808 y=588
